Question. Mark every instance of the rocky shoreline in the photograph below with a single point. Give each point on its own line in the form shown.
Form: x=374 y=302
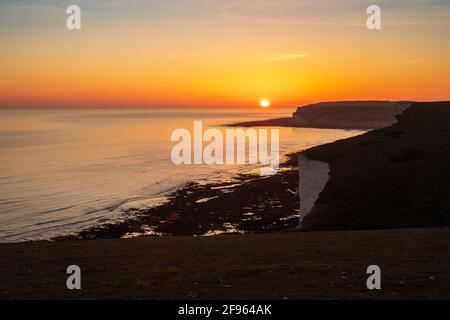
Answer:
x=249 y=204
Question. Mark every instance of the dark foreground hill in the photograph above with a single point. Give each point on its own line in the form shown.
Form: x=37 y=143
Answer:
x=393 y=177
x=296 y=265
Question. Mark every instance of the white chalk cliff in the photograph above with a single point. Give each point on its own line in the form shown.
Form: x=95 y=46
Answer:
x=313 y=177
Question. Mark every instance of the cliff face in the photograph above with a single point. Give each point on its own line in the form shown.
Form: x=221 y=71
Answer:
x=339 y=115
x=353 y=114
x=313 y=177
x=393 y=177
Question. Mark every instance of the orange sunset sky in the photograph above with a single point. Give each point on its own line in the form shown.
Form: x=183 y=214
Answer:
x=221 y=53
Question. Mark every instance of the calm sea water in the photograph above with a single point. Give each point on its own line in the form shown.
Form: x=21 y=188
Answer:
x=65 y=170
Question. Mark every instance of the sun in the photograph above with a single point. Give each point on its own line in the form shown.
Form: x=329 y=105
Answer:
x=264 y=103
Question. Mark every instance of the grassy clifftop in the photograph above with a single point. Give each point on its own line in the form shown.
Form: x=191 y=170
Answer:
x=393 y=177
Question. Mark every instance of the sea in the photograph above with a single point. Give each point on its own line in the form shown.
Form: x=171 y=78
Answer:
x=65 y=170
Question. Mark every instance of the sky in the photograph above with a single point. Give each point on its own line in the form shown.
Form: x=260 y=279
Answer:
x=224 y=53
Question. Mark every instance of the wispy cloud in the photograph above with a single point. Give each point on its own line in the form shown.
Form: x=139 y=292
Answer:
x=284 y=57
x=415 y=61
x=182 y=55
x=43 y=8
x=338 y=13
x=276 y=57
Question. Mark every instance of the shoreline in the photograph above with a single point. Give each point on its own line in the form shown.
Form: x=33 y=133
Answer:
x=250 y=203
x=289 y=123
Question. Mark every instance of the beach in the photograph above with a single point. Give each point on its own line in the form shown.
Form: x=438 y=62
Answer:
x=250 y=203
